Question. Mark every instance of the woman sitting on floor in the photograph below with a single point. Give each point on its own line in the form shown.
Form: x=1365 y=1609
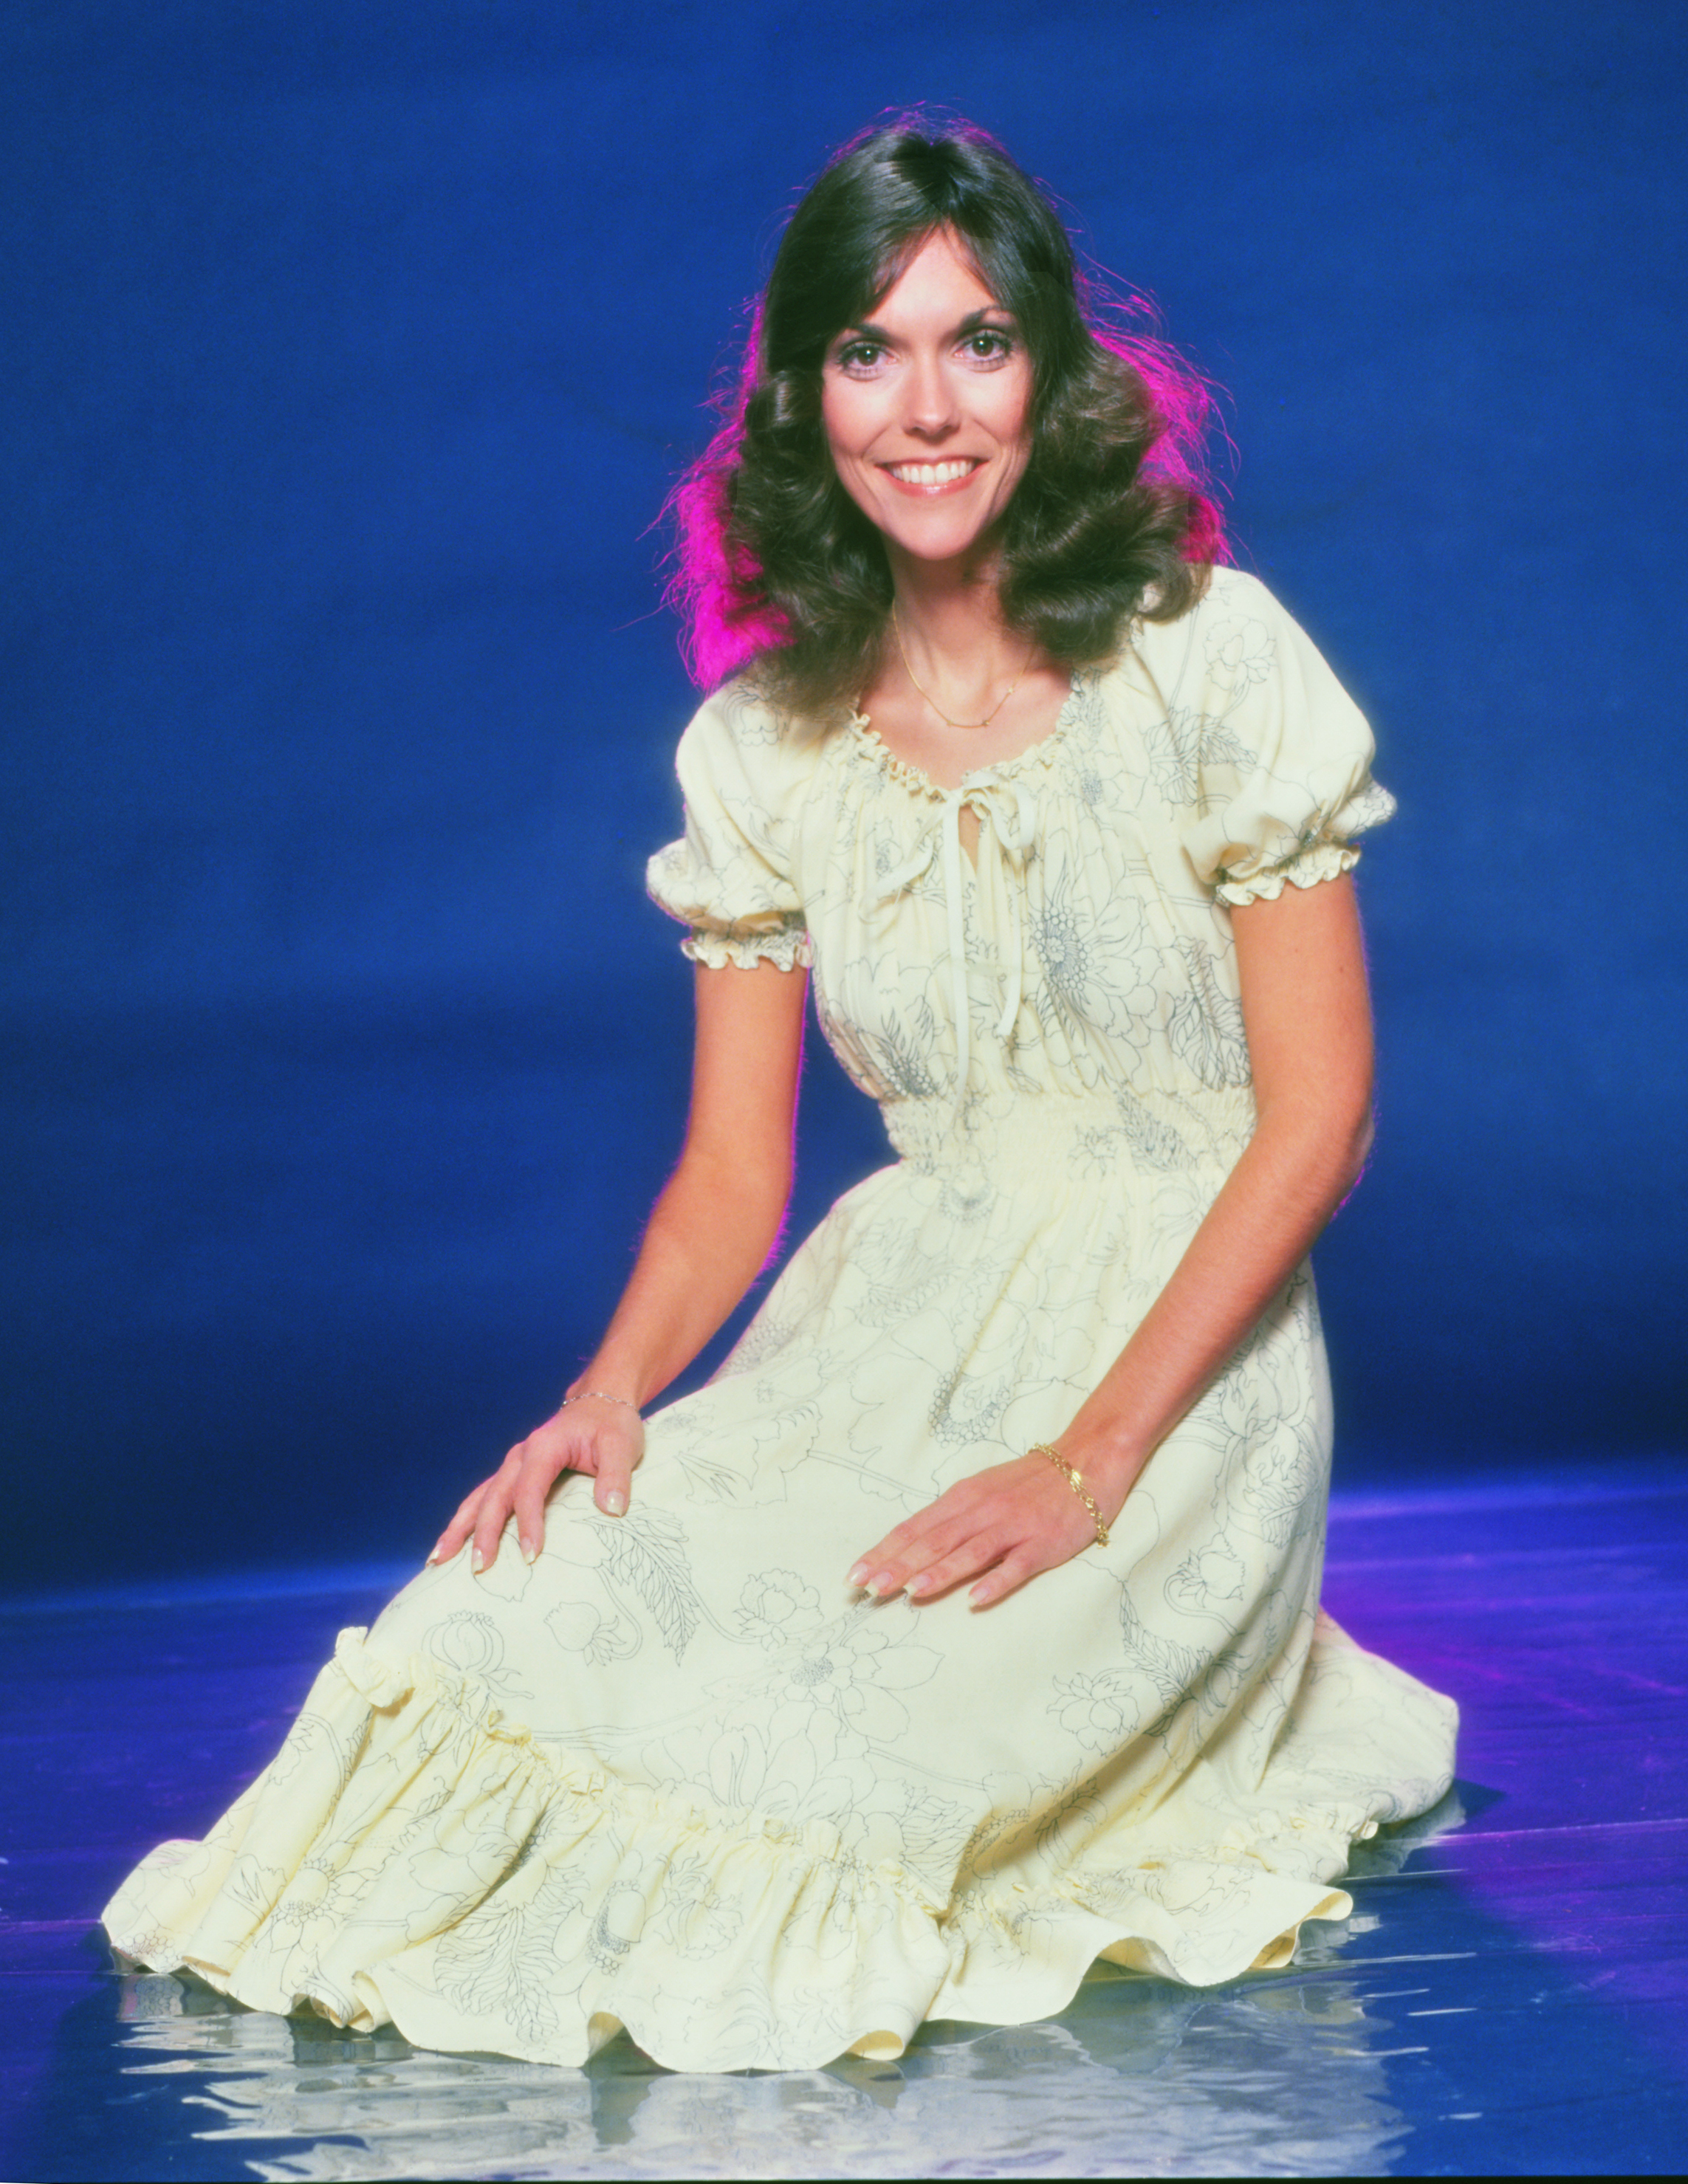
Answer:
x=965 y=1628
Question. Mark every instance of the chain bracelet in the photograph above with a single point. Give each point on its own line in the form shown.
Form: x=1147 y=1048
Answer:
x=1075 y=1479
x=597 y=1395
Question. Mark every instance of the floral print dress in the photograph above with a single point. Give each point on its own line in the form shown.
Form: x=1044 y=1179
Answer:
x=676 y=1777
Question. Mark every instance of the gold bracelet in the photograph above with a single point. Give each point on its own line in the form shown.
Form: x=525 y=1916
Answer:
x=1075 y=1479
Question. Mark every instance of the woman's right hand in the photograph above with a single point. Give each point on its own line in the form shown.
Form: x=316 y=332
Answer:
x=590 y=1433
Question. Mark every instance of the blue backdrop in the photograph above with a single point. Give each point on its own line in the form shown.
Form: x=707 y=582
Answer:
x=349 y=351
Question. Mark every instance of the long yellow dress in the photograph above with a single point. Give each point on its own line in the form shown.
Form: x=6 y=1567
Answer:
x=677 y=1777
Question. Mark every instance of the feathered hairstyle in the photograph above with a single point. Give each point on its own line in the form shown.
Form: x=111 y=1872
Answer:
x=1112 y=518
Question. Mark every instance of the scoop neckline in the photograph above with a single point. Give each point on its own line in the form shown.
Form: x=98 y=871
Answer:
x=915 y=777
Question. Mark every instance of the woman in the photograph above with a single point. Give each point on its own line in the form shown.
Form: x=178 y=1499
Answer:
x=964 y=1629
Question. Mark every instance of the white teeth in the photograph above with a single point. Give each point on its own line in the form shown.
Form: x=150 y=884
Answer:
x=928 y=473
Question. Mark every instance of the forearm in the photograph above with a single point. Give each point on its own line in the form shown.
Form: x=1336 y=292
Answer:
x=709 y=1236
x=712 y=1228
x=1292 y=1177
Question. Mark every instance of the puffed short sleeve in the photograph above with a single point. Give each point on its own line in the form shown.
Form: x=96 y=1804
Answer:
x=1282 y=755
x=729 y=878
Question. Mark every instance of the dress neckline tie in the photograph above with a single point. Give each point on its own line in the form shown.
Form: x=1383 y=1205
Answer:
x=1007 y=815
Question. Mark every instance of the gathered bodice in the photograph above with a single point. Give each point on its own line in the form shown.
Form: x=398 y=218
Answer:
x=1085 y=949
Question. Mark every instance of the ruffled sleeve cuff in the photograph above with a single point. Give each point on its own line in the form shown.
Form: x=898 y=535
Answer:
x=787 y=947
x=1323 y=853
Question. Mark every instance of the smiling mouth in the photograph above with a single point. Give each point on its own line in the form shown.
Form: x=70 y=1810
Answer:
x=933 y=477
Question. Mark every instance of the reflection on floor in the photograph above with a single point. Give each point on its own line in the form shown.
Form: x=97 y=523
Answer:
x=1508 y=1997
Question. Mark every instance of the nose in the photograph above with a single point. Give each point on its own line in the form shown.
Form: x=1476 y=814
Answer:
x=930 y=410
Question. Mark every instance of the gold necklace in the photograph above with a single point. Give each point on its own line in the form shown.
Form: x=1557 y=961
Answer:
x=971 y=727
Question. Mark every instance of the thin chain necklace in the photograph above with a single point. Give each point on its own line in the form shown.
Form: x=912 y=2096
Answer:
x=972 y=726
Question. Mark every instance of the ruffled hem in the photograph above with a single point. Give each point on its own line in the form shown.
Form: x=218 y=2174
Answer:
x=413 y=1855
x=788 y=947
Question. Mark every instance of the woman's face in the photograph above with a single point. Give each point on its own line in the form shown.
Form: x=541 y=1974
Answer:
x=927 y=407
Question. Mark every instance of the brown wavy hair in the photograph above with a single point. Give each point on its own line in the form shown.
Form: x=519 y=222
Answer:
x=1112 y=518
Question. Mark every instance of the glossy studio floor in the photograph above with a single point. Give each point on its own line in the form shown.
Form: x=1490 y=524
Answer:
x=1510 y=1997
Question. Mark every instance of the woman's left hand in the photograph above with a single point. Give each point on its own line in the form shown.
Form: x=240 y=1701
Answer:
x=1001 y=1527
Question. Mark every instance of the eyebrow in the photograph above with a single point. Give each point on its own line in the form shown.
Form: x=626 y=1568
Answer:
x=975 y=322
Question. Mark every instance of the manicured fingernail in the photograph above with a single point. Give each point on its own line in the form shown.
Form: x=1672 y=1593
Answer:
x=477 y=1561
x=528 y=1551
x=917 y=1584
x=615 y=1504
x=882 y=1585
x=858 y=1576
x=433 y=1557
